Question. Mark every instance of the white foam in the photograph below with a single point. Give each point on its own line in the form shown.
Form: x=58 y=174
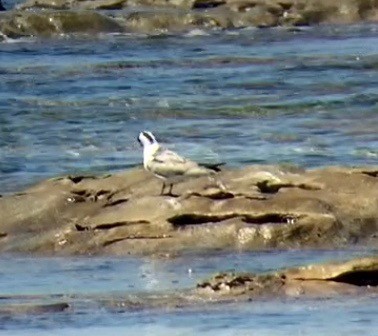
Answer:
x=196 y=32
x=5 y=39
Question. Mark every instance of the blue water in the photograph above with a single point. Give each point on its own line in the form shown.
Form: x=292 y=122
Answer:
x=348 y=317
x=76 y=104
x=87 y=282
x=98 y=275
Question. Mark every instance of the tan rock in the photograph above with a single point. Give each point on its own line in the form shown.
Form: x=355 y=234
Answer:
x=52 y=23
x=240 y=13
x=323 y=280
x=260 y=207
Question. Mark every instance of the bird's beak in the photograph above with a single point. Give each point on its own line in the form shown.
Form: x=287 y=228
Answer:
x=140 y=142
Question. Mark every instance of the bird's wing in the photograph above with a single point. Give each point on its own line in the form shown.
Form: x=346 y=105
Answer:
x=166 y=155
x=167 y=163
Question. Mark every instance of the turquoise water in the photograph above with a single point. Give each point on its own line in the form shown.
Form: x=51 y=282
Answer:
x=74 y=105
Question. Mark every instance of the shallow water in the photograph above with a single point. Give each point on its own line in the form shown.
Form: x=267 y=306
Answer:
x=84 y=281
x=348 y=317
x=74 y=105
x=98 y=275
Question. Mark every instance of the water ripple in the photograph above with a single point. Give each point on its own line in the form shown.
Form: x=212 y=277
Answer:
x=246 y=96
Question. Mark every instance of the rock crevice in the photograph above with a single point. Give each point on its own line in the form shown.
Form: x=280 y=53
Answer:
x=108 y=215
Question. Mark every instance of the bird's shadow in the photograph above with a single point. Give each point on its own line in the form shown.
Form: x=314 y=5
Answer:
x=170 y=195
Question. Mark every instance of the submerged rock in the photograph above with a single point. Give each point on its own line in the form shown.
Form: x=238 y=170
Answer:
x=350 y=278
x=322 y=280
x=54 y=23
x=32 y=309
x=261 y=207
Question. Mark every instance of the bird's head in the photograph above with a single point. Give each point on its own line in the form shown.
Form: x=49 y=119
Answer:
x=146 y=139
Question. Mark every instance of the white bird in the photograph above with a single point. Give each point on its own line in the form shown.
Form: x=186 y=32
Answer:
x=168 y=165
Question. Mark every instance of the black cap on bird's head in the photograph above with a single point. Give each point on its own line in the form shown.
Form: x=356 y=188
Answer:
x=146 y=138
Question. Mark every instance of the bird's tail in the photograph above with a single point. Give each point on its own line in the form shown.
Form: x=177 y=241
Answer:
x=213 y=166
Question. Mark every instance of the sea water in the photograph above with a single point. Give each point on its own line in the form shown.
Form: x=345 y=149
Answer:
x=76 y=104
x=84 y=282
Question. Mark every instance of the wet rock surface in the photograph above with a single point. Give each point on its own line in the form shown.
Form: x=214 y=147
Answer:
x=33 y=308
x=55 y=23
x=323 y=280
x=176 y=16
x=319 y=281
x=259 y=207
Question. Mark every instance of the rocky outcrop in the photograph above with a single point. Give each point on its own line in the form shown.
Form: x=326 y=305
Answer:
x=259 y=207
x=351 y=278
x=49 y=18
x=55 y=23
x=239 y=12
x=323 y=280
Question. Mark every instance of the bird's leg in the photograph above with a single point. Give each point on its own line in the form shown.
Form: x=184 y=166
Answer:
x=162 y=189
x=216 y=181
x=220 y=184
x=170 y=189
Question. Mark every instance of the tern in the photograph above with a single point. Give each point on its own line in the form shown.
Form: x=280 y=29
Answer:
x=170 y=166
